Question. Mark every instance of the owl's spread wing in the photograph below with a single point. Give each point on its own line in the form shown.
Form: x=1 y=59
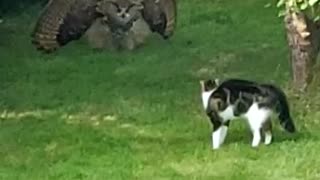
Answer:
x=161 y=16
x=63 y=21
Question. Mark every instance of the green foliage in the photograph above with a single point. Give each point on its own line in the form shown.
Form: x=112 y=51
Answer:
x=309 y=7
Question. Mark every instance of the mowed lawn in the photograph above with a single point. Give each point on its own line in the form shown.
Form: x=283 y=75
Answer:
x=86 y=114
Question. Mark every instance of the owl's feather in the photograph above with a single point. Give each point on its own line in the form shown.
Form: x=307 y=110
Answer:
x=100 y=36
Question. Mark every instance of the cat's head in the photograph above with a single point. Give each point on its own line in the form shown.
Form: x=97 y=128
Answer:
x=208 y=85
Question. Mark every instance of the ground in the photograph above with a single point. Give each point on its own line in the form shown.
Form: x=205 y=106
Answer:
x=86 y=114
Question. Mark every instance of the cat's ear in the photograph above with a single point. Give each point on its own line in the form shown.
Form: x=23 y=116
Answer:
x=217 y=81
x=202 y=85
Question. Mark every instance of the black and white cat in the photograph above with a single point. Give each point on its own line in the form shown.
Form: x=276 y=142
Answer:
x=255 y=102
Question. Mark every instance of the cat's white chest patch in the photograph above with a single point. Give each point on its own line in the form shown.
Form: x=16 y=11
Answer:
x=205 y=98
x=227 y=114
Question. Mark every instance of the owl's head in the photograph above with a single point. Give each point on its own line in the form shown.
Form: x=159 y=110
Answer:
x=120 y=14
x=127 y=8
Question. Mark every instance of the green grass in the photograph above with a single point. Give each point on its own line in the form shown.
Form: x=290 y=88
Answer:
x=83 y=114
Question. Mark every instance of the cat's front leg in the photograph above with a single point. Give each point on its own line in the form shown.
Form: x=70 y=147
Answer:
x=219 y=133
x=216 y=138
x=224 y=131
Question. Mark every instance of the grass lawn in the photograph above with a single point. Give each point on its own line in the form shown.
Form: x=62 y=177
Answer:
x=85 y=114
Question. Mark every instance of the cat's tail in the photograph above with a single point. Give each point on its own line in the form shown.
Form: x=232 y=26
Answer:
x=282 y=108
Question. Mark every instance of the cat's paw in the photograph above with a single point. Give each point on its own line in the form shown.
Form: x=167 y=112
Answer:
x=255 y=145
x=215 y=147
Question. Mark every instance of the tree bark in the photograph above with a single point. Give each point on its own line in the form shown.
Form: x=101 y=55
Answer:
x=303 y=39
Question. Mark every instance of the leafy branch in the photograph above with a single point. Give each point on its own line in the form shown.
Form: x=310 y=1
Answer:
x=308 y=7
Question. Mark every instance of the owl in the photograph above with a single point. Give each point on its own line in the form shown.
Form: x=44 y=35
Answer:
x=122 y=22
x=100 y=36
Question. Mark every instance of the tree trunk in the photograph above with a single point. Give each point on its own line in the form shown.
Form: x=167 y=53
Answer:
x=303 y=39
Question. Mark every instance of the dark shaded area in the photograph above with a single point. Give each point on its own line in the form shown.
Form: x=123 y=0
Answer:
x=8 y=7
